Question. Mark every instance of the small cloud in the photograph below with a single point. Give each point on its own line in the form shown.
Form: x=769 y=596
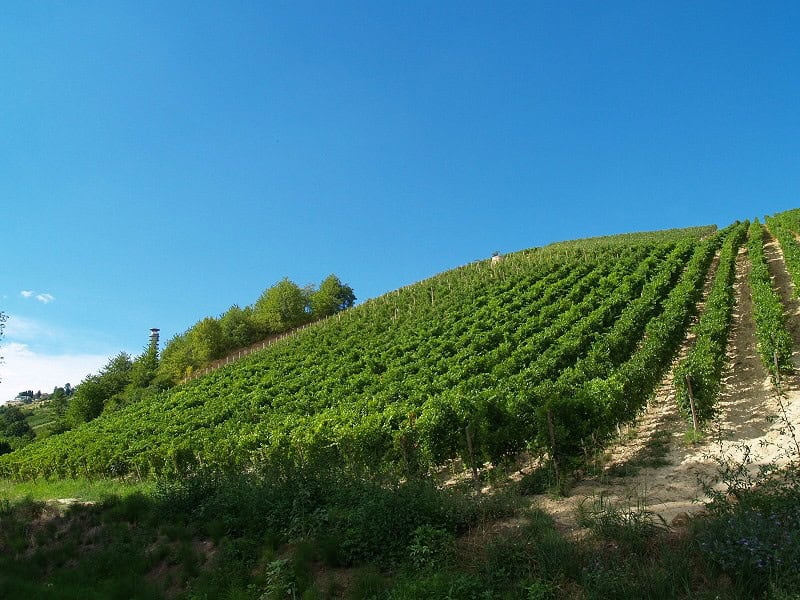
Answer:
x=26 y=293
x=45 y=298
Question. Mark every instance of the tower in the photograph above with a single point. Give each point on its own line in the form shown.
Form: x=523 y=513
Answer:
x=154 y=338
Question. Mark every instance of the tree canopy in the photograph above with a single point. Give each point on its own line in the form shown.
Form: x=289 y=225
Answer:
x=332 y=296
x=96 y=391
x=125 y=380
x=279 y=308
x=14 y=429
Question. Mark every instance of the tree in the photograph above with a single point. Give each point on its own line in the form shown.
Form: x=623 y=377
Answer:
x=144 y=368
x=332 y=296
x=207 y=341
x=117 y=373
x=14 y=425
x=26 y=396
x=281 y=307
x=97 y=391
x=59 y=401
x=176 y=360
x=238 y=327
x=88 y=401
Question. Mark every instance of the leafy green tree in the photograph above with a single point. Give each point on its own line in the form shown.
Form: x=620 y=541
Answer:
x=97 y=391
x=14 y=425
x=15 y=431
x=207 y=341
x=117 y=372
x=176 y=361
x=281 y=307
x=144 y=368
x=88 y=402
x=238 y=327
x=332 y=296
x=59 y=401
x=143 y=381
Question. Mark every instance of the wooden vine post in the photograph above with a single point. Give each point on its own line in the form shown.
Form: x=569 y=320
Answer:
x=551 y=430
x=468 y=431
x=691 y=401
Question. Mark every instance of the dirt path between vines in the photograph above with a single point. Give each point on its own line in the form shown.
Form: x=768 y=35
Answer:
x=653 y=466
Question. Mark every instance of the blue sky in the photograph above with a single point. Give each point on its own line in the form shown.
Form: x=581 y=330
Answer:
x=162 y=161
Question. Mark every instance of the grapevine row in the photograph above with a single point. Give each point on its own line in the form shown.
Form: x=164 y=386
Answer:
x=702 y=367
x=515 y=415
x=502 y=414
x=774 y=341
x=789 y=219
x=789 y=246
x=585 y=412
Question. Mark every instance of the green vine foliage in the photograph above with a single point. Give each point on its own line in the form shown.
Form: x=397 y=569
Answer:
x=774 y=341
x=576 y=333
x=704 y=362
x=780 y=226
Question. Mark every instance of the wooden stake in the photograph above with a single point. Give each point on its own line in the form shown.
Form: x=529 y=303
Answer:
x=552 y=432
x=468 y=431
x=691 y=401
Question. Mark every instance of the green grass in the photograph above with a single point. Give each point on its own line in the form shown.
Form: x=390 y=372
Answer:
x=81 y=489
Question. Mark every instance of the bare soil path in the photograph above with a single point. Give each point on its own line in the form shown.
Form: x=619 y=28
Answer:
x=654 y=466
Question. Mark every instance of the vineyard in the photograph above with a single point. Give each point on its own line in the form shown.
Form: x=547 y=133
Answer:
x=653 y=350
x=547 y=350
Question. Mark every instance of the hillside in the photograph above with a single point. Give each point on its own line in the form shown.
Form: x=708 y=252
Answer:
x=496 y=347
x=603 y=418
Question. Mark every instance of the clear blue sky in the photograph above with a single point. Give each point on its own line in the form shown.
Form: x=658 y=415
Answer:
x=160 y=161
